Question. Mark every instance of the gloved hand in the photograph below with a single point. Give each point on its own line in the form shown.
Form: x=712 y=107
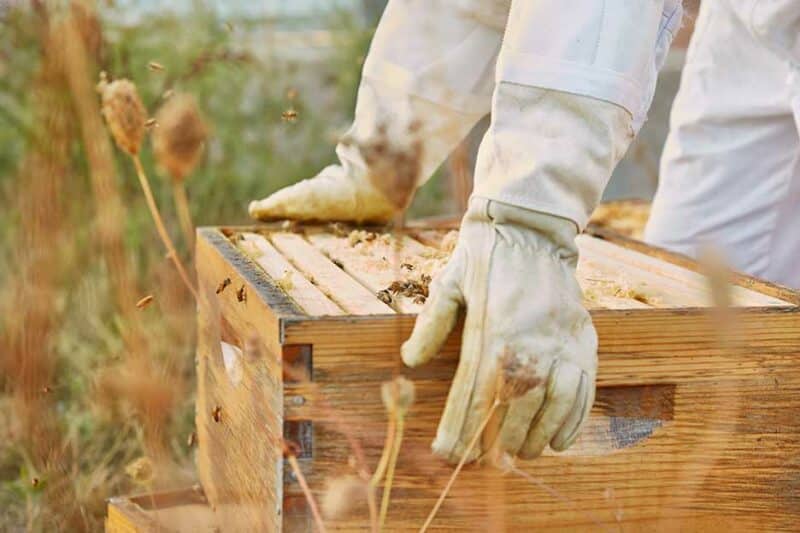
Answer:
x=427 y=80
x=514 y=271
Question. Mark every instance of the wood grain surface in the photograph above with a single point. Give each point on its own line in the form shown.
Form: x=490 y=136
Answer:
x=694 y=427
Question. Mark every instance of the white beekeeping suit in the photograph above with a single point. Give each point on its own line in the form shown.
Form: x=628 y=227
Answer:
x=568 y=83
x=730 y=172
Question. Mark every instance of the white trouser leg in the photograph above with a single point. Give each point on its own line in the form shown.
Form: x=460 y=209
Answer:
x=729 y=173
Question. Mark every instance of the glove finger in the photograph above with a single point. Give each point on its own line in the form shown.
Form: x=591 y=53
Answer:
x=437 y=318
x=575 y=420
x=471 y=397
x=514 y=428
x=560 y=397
x=290 y=202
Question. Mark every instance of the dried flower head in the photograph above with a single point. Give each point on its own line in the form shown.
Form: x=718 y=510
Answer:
x=397 y=395
x=124 y=113
x=342 y=495
x=180 y=138
x=516 y=377
x=141 y=471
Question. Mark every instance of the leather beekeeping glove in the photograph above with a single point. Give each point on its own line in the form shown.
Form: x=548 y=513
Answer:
x=574 y=82
x=514 y=271
x=427 y=80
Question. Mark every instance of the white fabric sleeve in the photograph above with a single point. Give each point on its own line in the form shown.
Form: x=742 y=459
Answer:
x=574 y=82
x=606 y=49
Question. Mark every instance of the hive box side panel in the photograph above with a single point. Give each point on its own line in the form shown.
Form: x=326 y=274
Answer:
x=239 y=413
x=686 y=437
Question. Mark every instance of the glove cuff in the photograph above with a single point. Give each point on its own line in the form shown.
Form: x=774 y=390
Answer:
x=559 y=231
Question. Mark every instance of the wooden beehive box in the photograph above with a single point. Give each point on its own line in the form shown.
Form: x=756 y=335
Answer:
x=695 y=424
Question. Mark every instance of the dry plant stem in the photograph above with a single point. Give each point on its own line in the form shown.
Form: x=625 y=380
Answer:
x=184 y=214
x=373 y=509
x=301 y=479
x=388 y=445
x=460 y=465
x=387 y=487
x=162 y=231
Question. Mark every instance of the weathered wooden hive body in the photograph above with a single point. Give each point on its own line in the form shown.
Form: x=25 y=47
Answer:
x=695 y=426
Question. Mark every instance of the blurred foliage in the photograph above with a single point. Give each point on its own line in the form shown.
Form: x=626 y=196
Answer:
x=241 y=72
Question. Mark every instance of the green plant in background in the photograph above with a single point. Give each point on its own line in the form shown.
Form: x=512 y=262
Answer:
x=245 y=74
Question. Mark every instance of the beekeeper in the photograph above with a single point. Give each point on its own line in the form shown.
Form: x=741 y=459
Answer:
x=568 y=85
x=730 y=173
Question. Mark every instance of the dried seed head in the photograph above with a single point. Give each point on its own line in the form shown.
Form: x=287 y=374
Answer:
x=515 y=377
x=179 y=141
x=141 y=471
x=342 y=495
x=124 y=113
x=397 y=395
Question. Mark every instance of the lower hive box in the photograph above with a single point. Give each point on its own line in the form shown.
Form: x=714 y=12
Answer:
x=695 y=424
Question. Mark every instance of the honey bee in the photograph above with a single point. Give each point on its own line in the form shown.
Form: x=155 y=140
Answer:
x=35 y=482
x=192 y=439
x=407 y=266
x=223 y=285
x=337 y=263
x=216 y=413
x=151 y=123
x=384 y=296
x=47 y=389
x=167 y=94
x=241 y=294
x=290 y=115
x=155 y=67
x=144 y=302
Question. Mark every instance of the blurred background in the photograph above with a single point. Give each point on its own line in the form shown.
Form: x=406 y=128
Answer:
x=96 y=393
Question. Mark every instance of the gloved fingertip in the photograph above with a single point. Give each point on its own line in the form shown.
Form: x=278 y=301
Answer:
x=252 y=208
x=415 y=353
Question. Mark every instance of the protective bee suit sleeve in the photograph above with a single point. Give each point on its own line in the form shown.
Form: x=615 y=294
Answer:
x=574 y=81
x=427 y=79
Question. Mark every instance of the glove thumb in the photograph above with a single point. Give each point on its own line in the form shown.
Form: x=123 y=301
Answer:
x=437 y=318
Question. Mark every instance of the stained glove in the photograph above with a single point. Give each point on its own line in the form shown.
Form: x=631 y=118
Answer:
x=513 y=270
x=427 y=80
x=396 y=142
